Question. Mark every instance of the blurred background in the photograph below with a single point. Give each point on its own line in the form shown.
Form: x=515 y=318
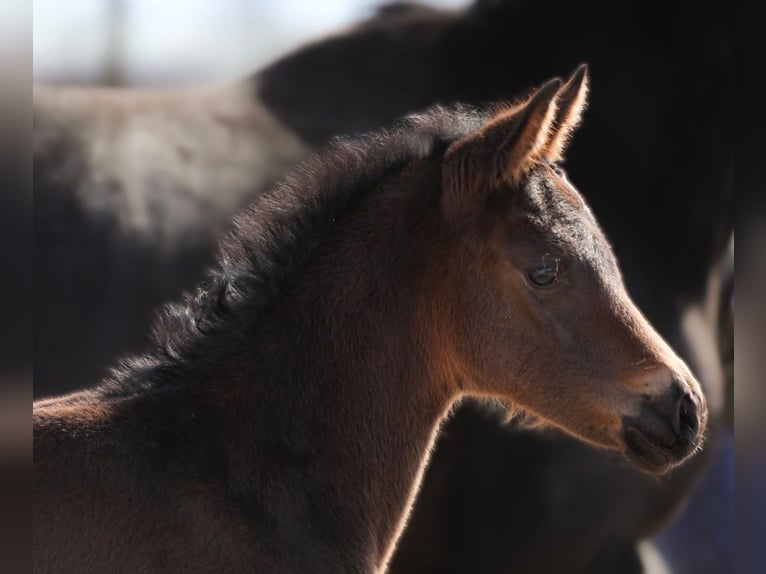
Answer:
x=180 y=42
x=184 y=43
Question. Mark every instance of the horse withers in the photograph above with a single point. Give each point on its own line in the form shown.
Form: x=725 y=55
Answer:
x=282 y=420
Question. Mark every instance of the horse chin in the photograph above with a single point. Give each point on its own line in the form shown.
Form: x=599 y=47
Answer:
x=644 y=453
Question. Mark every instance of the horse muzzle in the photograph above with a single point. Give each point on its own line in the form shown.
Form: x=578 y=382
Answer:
x=667 y=430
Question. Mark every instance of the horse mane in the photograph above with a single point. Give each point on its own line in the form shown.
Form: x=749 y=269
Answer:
x=276 y=237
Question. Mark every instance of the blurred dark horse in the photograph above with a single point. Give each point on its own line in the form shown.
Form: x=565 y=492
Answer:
x=132 y=189
x=662 y=191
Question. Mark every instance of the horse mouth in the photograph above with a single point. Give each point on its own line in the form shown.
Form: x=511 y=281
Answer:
x=645 y=452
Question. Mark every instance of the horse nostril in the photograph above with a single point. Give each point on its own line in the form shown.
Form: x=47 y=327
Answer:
x=687 y=415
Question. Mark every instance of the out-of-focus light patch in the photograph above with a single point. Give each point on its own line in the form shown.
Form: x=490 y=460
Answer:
x=68 y=38
x=15 y=21
x=177 y=42
x=15 y=36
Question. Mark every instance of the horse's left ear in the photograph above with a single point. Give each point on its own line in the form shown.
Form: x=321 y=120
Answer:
x=571 y=99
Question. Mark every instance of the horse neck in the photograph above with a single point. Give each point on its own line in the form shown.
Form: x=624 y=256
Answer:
x=359 y=402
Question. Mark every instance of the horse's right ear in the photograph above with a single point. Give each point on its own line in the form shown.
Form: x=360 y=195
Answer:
x=498 y=153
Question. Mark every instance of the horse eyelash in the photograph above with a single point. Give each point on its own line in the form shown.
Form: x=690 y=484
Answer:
x=556 y=260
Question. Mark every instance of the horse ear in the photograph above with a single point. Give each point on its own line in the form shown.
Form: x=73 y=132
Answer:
x=523 y=133
x=572 y=100
x=501 y=151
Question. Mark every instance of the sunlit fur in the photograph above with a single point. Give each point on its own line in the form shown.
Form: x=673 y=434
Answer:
x=284 y=415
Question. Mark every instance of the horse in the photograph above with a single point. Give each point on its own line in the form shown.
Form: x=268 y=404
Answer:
x=668 y=223
x=283 y=417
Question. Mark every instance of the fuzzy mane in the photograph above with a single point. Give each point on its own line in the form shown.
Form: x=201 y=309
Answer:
x=275 y=238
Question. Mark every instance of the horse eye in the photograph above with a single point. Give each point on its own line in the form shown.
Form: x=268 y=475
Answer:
x=545 y=273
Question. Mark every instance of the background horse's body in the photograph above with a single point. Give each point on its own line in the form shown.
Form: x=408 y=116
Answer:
x=132 y=190
x=669 y=220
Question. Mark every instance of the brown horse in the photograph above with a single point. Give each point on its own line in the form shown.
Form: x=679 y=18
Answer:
x=284 y=416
